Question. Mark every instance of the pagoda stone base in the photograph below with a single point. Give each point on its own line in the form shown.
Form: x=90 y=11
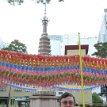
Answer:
x=43 y=99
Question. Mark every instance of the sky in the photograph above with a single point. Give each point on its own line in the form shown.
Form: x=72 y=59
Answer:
x=23 y=22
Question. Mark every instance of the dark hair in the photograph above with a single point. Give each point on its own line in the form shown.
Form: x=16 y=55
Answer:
x=66 y=94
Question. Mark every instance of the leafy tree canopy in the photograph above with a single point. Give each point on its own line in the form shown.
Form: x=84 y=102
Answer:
x=16 y=46
x=47 y=1
x=38 y=1
x=96 y=99
x=101 y=50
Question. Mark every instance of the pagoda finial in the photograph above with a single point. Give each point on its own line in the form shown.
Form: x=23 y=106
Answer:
x=45 y=20
x=45 y=9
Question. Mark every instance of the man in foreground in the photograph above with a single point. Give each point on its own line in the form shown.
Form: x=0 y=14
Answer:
x=67 y=100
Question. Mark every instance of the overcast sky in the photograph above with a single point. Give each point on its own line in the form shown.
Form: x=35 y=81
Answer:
x=72 y=16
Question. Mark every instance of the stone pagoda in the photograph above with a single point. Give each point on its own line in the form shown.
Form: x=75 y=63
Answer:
x=44 y=43
x=44 y=98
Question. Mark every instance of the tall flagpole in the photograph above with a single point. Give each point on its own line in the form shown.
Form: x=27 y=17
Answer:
x=81 y=70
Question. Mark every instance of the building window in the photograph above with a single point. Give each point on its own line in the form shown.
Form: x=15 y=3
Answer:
x=17 y=90
x=2 y=89
x=60 y=93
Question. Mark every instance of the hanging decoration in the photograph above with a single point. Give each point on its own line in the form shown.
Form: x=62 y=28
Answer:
x=46 y=71
x=22 y=87
x=2 y=85
x=74 y=89
x=53 y=87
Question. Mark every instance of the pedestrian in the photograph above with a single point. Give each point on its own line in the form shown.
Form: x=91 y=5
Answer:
x=67 y=100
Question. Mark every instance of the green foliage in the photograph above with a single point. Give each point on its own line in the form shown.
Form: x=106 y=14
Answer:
x=19 y=2
x=16 y=46
x=42 y=1
x=101 y=50
x=47 y=1
x=96 y=99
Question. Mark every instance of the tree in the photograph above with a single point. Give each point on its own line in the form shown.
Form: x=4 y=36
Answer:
x=16 y=46
x=38 y=1
x=101 y=50
x=102 y=53
x=96 y=99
